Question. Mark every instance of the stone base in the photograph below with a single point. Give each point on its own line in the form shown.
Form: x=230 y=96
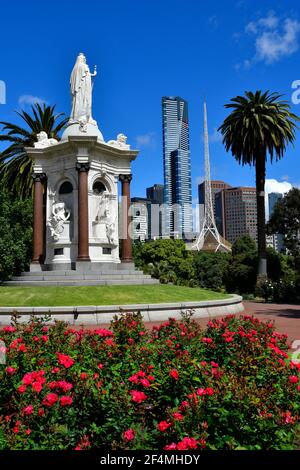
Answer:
x=36 y=267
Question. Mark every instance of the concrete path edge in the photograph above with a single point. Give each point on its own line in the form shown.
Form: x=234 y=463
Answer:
x=90 y=314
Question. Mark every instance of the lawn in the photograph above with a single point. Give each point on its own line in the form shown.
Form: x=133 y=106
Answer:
x=102 y=295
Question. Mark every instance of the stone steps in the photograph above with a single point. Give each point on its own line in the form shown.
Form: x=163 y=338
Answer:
x=74 y=277
x=82 y=282
x=77 y=274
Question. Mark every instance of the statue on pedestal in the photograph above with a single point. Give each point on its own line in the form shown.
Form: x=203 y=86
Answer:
x=81 y=92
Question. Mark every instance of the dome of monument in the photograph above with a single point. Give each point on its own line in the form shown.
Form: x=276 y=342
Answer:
x=83 y=130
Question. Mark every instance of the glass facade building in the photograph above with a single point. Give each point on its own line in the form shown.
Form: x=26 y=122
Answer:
x=177 y=167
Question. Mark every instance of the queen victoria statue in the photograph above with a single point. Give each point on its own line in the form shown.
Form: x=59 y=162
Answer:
x=81 y=91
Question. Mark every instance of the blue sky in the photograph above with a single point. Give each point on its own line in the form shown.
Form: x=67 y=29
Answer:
x=145 y=50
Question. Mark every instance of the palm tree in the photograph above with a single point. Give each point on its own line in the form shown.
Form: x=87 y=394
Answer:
x=15 y=165
x=259 y=125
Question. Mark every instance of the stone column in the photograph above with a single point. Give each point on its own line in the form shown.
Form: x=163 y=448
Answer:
x=126 y=254
x=38 y=218
x=83 y=212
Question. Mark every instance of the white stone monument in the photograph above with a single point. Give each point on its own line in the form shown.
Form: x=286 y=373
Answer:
x=79 y=176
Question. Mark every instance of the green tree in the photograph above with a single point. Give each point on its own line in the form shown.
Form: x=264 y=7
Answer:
x=286 y=220
x=259 y=125
x=15 y=235
x=241 y=274
x=210 y=269
x=15 y=165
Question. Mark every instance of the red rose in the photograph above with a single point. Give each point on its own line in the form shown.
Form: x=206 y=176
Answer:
x=41 y=412
x=134 y=379
x=37 y=387
x=83 y=375
x=207 y=340
x=10 y=370
x=103 y=332
x=172 y=446
x=209 y=391
x=293 y=379
x=28 y=410
x=177 y=416
x=50 y=399
x=22 y=389
x=187 y=443
x=174 y=374
x=66 y=401
x=65 y=386
x=65 y=360
x=9 y=329
x=129 y=435
x=145 y=382
x=22 y=348
x=163 y=426
x=137 y=396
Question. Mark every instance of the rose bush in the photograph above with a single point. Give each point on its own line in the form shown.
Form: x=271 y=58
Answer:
x=176 y=387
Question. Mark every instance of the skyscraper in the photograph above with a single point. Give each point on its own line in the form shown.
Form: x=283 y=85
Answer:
x=177 y=167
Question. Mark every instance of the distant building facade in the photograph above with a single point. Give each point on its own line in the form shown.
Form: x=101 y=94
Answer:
x=276 y=240
x=141 y=225
x=237 y=208
x=155 y=194
x=178 y=218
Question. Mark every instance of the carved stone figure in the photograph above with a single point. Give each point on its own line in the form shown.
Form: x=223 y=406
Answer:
x=57 y=219
x=43 y=141
x=120 y=142
x=106 y=216
x=81 y=91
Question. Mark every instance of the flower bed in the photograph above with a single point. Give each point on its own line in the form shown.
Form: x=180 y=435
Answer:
x=176 y=387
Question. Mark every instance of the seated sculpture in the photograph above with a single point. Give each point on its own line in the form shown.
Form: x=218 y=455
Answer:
x=120 y=142
x=43 y=141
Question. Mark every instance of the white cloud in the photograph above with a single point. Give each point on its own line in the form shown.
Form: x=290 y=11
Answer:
x=215 y=136
x=30 y=100
x=275 y=38
x=268 y=22
x=274 y=186
x=145 y=140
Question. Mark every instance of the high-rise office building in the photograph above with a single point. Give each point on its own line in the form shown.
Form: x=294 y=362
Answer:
x=156 y=193
x=177 y=167
x=238 y=210
x=155 y=215
x=276 y=240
